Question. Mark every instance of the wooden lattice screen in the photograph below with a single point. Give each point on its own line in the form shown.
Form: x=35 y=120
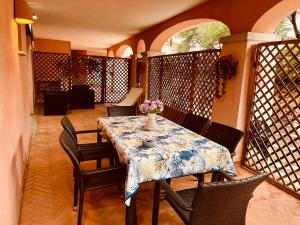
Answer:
x=273 y=138
x=49 y=73
x=184 y=82
x=108 y=77
x=88 y=70
x=117 y=78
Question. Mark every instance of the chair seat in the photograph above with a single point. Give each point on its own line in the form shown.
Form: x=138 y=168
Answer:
x=187 y=196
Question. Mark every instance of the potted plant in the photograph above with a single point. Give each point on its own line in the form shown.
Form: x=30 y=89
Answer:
x=226 y=68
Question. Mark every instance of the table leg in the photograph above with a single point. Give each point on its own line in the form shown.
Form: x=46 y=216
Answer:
x=131 y=218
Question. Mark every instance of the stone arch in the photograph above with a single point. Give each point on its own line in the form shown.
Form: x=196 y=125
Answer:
x=141 y=46
x=158 y=42
x=124 y=51
x=270 y=19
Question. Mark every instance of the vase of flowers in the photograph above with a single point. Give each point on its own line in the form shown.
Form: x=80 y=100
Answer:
x=151 y=108
x=226 y=68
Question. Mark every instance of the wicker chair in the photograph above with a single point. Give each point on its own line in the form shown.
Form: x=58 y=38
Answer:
x=224 y=135
x=121 y=111
x=211 y=203
x=92 y=179
x=195 y=123
x=173 y=114
x=90 y=151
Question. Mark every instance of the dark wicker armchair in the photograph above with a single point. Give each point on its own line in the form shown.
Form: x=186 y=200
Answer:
x=92 y=179
x=121 y=111
x=224 y=135
x=211 y=203
x=90 y=151
x=195 y=123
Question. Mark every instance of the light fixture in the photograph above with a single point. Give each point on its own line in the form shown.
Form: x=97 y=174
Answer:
x=23 y=14
x=34 y=17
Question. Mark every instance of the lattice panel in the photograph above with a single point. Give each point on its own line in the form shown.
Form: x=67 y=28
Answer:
x=184 y=82
x=108 y=77
x=204 y=86
x=117 y=79
x=88 y=70
x=155 y=65
x=49 y=73
x=274 y=131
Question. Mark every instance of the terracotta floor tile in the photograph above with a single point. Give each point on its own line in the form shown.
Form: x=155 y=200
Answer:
x=48 y=188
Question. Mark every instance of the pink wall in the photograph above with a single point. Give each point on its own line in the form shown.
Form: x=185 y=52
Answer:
x=15 y=109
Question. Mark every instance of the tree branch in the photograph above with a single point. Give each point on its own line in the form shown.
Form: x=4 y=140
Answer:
x=293 y=20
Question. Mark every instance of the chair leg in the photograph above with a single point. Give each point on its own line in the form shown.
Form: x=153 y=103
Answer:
x=99 y=137
x=111 y=161
x=98 y=163
x=81 y=199
x=156 y=200
x=200 y=177
x=168 y=181
x=216 y=177
x=75 y=194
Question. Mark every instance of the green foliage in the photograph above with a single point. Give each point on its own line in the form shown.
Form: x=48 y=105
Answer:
x=285 y=29
x=205 y=36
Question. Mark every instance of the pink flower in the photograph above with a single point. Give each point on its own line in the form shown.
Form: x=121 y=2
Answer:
x=148 y=106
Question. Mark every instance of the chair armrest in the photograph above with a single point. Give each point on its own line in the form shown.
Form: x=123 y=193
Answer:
x=102 y=171
x=102 y=145
x=174 y=196
x=104 y=177
x=87 y=131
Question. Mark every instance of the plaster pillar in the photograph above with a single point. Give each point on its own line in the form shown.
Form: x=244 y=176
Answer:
x=133 y=74
x=232 y=108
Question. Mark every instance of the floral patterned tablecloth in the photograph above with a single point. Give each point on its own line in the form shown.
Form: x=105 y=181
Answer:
x=177 y=151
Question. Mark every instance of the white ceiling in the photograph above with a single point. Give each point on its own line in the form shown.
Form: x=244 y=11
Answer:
x=99 y=24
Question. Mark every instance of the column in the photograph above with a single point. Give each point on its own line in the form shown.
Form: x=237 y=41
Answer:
x=232 y=109
x=145 y=76
x=133 y=75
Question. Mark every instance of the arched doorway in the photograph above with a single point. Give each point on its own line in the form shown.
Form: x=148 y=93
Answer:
x=268 y=22
x=160 y=40
x=201 y=37
x=125 y=51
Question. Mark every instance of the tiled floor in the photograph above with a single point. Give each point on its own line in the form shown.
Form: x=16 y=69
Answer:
x=48 y=187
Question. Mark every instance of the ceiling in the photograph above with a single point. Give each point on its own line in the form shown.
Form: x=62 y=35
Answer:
x=99 y=24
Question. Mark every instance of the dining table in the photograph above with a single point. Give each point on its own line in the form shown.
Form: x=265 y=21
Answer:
x=175 y=152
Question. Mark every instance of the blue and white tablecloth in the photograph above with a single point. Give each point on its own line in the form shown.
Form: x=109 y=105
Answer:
x=177 y=151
